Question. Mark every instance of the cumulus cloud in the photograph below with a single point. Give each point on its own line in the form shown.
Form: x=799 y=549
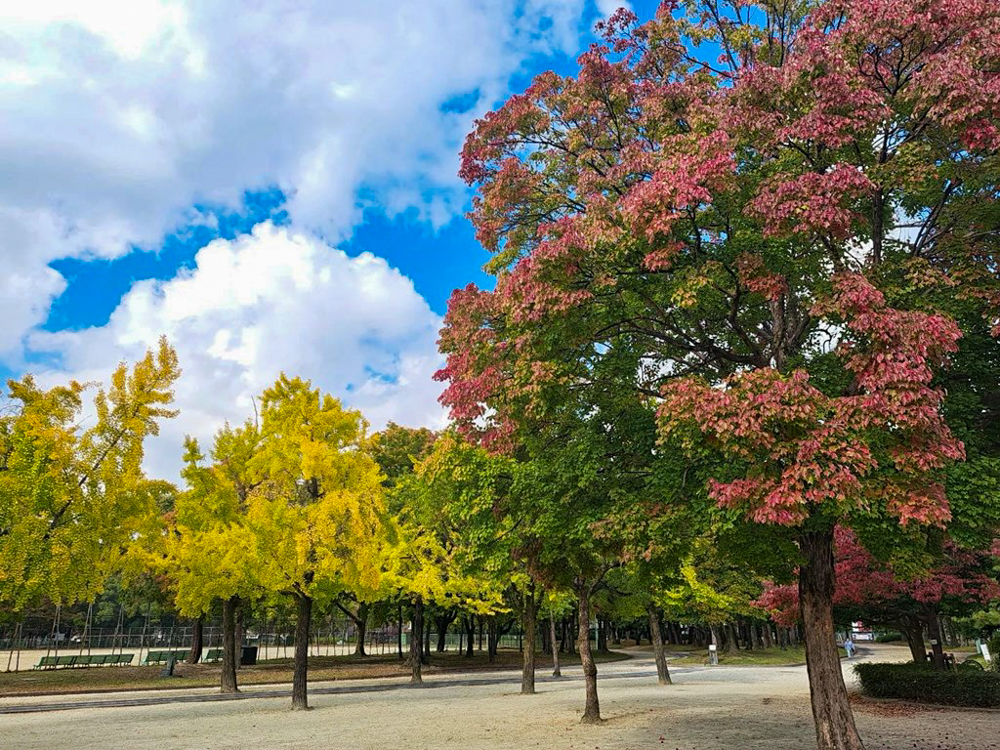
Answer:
x=119 y=118
x=272 y=300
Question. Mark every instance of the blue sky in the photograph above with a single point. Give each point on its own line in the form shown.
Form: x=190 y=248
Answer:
x=272 y=189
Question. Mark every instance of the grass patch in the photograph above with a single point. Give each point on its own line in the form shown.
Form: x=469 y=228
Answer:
x=767 y=657
x=321 y=668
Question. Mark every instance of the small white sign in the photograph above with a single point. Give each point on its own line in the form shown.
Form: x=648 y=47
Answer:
x=985 y=650
x=933 y=642
x=713 y=647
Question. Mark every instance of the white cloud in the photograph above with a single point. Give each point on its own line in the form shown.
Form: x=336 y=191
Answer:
x=269 y=301
x=119 y=117
x=606 y=8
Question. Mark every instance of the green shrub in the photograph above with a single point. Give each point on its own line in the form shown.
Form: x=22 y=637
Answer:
x=919 y=682
x=890 y=637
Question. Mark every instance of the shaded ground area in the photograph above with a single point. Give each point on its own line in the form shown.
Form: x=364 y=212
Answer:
x=321 y=668
x=707 y=709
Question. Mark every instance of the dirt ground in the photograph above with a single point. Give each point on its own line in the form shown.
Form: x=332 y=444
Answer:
x=708 y=708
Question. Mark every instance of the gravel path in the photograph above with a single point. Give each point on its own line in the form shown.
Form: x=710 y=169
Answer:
x=706 y=709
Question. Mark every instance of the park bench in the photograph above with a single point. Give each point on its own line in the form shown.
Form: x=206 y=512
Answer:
x=84 y=660
x=162 y=657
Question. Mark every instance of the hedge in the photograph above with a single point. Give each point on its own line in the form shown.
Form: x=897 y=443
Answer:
x=920 y=682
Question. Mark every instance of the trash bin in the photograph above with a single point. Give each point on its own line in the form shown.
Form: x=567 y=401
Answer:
x=248 y=656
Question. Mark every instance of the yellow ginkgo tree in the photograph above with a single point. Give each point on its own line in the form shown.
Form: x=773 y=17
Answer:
x=208 y=548
x=316 y=512
x=73 y=498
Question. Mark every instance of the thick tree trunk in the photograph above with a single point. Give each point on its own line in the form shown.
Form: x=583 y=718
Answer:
x=361 y=628
x=470 y=632
x=731 y=641
x=491 y=641
x=592 y=710
x=659 y=653
x=835 y=729
x=197 y=639
x=913 y=631
x=937 y=645
x=716 y=641
x=443 y=622
x=556 y=672
x=529 y=625
x=765 y=632
x=416 y=639
x=228 y=684
x=301 y=667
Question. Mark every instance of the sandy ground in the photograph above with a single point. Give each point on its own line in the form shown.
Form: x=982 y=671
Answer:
x=706 y=709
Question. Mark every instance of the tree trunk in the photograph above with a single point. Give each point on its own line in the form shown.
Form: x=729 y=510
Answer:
x=592 y=710
x=556 y=672
x=491 y=641
x=937 y=646
x=765 y=633
x=399 y=629
x=228 y=684
x=299 y=699
x=659 y=653
x=443 y=622
x=529 y=625
x=731 y=646
x=361 y=626
x=197 y=639
x=416 y=639
x=913 y=631
x=470 y=632
x=835 y=729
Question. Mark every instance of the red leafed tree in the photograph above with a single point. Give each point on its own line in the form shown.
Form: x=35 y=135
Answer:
x=957 y=579
x=774 y=246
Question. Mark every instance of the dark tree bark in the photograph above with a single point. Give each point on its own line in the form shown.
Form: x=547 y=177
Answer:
x=470 y=632
x=732 y=646
x=300 y=674
x=416 y=639
x=937 y=645
x=913 y=631
x=659 y=653
x=360 y=620
x=197 y=639
x=529 y=622
x=491 y=640
x=835 y=728
x=592 y=709
x=556 y=672
x=443 y=622
x=765 y=633
x=228 y=684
